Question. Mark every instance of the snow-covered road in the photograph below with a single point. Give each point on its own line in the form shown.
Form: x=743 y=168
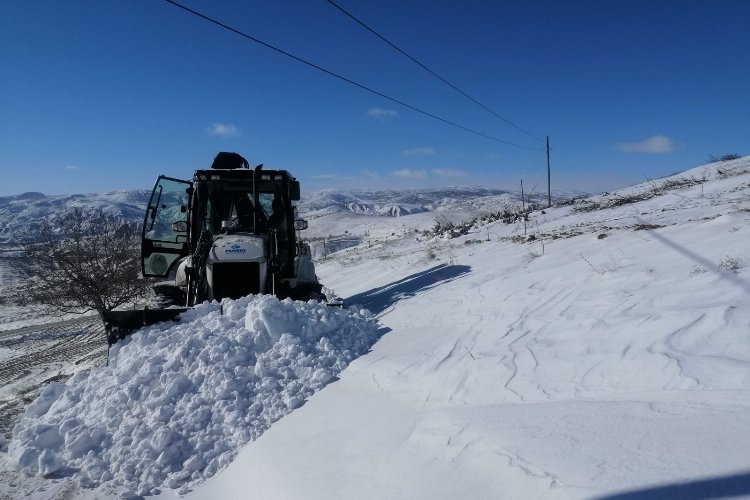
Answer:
x=607 y=357
x=574 y=368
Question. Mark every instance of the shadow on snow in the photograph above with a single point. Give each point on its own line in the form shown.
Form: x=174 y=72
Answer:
x=700 y=260
x=733 y=486
x=379 y=299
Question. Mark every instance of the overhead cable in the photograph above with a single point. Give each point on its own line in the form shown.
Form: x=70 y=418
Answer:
x=414 y=60
x=532 y=170
x=343 y=78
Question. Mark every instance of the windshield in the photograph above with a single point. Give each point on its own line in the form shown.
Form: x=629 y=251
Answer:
x=230 y=207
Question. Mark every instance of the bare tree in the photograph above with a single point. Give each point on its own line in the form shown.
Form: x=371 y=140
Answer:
x=86 y=262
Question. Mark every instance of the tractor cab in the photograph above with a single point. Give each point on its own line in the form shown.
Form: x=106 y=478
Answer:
x=229 y=232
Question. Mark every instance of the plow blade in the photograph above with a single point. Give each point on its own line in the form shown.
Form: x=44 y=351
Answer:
x=120 y=324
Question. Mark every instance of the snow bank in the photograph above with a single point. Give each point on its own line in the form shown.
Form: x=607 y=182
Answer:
x=179 y=400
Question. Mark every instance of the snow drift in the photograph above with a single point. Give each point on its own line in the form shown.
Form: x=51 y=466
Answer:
x=178 y=400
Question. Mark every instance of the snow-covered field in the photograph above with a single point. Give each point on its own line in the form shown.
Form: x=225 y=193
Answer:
x=606 y=354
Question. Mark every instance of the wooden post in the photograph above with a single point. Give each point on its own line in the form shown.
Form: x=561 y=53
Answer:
x=549 y=184
x=523 y=209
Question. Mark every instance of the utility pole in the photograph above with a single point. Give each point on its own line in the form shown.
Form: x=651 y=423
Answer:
x=549 y=184
x=523 y=208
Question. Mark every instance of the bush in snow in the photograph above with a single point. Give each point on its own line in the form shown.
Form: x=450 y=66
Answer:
x=430 y=251
x=731 y=264
x=697 y=270
x=725 y=157
x=616 y=200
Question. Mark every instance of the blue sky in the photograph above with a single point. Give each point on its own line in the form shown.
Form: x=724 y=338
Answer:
x=104 y=95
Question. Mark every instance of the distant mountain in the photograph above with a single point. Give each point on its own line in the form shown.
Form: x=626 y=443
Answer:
x=425 y=199
x=21 y=214
x=397 y=203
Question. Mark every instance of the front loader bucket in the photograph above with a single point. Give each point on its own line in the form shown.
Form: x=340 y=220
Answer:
x=120 y=324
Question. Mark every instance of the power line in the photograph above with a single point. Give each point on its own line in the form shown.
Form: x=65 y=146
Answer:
x=560 y=157
x=361 y=23
x=342 y=78
x=530 y=170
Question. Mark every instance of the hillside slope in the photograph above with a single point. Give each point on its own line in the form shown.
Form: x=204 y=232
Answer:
x=21 y=214
x=610 y=354
x=601 y=349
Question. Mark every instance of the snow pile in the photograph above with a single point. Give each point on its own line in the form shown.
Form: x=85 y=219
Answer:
x=179 y=400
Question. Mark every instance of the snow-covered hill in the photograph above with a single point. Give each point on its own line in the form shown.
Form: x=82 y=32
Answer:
x=600 y=350
x=397 y=203
x=394 y=203
x=20 y=214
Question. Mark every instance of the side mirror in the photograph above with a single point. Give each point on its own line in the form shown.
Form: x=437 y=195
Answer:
x=180 y=227
x=294 y=193
x=300 y=224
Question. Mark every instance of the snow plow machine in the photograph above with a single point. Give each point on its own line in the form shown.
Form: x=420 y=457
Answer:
x=231 y=231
